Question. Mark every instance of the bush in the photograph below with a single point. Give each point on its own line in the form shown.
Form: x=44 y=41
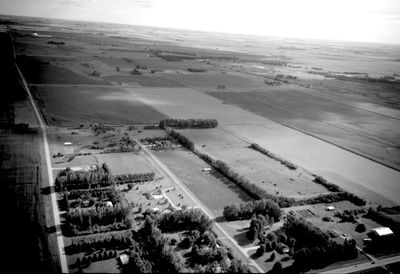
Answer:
x=360 y=228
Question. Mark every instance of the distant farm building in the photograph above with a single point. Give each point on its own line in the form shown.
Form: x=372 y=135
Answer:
x=330 y=208
x=67 y=144
x=206 y=170
x=382 y=232
x=123 y=259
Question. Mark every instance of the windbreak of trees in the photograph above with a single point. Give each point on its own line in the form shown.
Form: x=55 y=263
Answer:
x=134 y=178
x=243 y=183
x=181 y=139
x=68 y=179
x=183 y=220
x=103 y=193
x=247 y=210
x=113 y=240
x=188 y=123
x=273 y=156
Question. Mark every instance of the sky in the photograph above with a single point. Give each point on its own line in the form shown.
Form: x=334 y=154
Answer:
x=347 y=20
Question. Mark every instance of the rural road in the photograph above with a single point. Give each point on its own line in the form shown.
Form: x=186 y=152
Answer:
x=57 y=223
x=170 y=174
x=364 y=266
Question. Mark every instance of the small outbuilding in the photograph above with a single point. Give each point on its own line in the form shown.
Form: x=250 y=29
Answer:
x=206 y=169
x=330 y=208
x=67 y=144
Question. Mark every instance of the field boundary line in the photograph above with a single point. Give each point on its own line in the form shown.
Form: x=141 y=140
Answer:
x=56 y=215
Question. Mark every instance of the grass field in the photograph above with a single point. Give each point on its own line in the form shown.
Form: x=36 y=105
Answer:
x=74 y=105
x=125 y=163
x=213 y=190
x=261 y=170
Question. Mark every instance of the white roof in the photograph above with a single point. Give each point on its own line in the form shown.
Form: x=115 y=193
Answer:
x=382 y=231
x=67 y=143
x=155 y=209
x=124 y=258
x=330 y=207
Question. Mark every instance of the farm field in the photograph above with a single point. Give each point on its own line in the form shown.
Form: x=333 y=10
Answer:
x=261 y=170
x=370 y=133
x=67 y=106
x=350 y=171
x=187 y=103
x=212 y=189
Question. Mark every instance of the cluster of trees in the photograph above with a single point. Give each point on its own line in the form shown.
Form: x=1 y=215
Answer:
x=349 y=215
x=191 y=219
x=84 y=219
x=68 y=179
x=114 y=240
x=188 y=123
x=314 y=247
x=257 y=226
x=182 y=139
x=152 y=254
x=304 y=232
x=246 y=210
x=321 y=256
x=273 y=156
x=134 y=178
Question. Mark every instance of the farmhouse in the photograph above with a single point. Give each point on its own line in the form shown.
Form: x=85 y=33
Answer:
x=382 y=232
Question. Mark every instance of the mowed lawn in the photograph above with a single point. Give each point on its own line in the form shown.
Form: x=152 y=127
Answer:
x=69 y=105
x=125 y=163
x=213 y=190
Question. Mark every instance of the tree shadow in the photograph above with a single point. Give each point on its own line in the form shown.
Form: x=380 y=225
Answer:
x=242 y=239
x=47 y=190
x=232 y=186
